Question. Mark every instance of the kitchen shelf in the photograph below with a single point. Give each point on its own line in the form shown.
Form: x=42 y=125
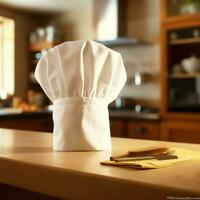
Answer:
x=41 y=45
x=181 y=18
x=185 y=75
x=185 y=41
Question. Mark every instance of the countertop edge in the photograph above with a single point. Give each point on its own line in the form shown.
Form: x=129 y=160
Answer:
x=60 y=183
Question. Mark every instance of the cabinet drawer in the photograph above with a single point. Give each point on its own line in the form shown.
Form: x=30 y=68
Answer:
x=143 y=130
x=40 y=124
x=117 y=128
x=179 y=131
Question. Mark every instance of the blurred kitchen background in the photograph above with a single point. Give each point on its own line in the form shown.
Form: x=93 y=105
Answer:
x=160 y=44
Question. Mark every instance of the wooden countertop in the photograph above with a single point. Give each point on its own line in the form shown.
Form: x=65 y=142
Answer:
x=27 y=161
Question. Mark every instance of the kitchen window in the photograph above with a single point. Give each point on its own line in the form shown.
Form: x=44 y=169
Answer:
x=7 y=56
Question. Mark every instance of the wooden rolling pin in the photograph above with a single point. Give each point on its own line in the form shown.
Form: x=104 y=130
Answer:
x=148 y=151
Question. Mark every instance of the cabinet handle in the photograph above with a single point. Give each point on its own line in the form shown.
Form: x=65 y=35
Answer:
x=141 y=129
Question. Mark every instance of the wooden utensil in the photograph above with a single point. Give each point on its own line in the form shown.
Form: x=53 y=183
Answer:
x=166 y=156
x=149 y=151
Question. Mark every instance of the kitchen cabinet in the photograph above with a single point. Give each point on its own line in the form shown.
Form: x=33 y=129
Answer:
x=180 y=131
x=34 y=122
x=134 y=128
x=143 y=130
x=117 y=128
x=180 y=107
x=177 y=10
x=180 y=87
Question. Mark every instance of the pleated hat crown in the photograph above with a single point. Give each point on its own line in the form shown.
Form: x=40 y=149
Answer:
x=81 y=69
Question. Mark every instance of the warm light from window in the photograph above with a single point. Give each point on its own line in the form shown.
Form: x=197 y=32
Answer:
x=7 y=37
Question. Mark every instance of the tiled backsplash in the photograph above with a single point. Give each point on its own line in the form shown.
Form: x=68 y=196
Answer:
x=145 y=59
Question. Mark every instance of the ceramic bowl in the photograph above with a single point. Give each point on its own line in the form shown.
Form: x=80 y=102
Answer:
x=191 y=64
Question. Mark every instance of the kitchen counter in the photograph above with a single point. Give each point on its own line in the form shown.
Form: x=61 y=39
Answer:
x=134 y=115
x=13 y=113
x=28 y=162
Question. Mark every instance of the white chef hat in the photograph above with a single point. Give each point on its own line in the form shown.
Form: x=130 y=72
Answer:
x=81 y=78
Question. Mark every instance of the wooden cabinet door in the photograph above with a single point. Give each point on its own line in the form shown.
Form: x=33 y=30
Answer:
x=39 y=124
x=180 y=131
x=117 y=128
x=143 y=130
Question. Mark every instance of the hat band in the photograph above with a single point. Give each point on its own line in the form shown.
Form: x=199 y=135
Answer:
x=81 y=124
